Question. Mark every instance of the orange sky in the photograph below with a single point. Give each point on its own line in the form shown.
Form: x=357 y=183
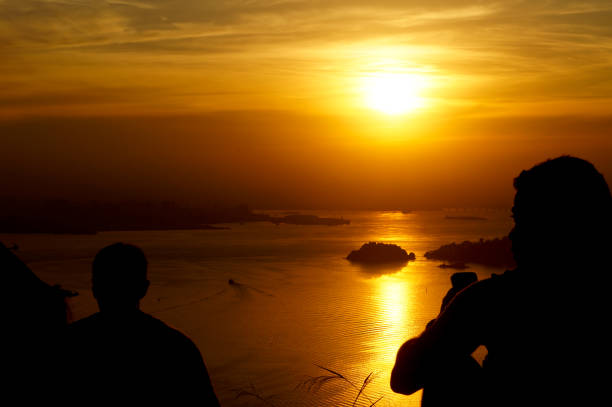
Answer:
x=270 y=102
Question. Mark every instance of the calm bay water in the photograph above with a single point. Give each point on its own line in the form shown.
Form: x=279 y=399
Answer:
x=298 y=303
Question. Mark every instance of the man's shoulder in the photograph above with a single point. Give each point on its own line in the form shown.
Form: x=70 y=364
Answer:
x=85 y=323
x=493 y=285
x=169 y=333
x=140 y=322
x=486 y=292
x=85 y=330
x=155 y=323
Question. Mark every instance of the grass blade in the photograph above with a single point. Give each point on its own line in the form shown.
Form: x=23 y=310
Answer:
x=363 y=386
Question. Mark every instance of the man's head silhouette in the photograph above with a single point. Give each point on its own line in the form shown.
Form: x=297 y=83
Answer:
x=119 y=277
x=562 y=212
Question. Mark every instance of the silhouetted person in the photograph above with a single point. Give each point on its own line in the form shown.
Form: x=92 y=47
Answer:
x=123 y=356
x=544 y=324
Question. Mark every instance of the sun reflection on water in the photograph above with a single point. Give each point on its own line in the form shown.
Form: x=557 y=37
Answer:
x=395 y=311
x=393 y=307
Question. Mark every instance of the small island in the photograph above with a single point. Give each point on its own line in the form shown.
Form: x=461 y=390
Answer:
x=494 y=253
x=456 y=266
x=380 y=253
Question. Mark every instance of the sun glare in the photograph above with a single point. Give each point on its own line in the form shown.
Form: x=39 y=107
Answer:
x=394 y=93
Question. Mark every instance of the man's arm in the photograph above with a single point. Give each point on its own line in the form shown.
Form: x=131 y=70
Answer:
x=456 y=333
x=407 y=375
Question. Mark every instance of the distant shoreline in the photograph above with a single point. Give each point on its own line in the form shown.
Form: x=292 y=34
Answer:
x=66 y=218
x=464 y=217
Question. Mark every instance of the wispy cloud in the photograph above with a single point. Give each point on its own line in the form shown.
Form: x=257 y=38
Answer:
x=482 y=51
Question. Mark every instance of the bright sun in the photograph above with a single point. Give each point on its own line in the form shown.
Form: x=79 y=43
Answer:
x=394 y=93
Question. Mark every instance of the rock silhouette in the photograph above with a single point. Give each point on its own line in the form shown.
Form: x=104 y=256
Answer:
x=496 y=252
x=378 y=253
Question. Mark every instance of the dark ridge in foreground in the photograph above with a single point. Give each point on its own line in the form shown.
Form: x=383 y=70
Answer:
x=495 y=253
x=37 y=307
x=377 y=253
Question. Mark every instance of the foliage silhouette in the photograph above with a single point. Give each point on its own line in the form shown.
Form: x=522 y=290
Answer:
x=313 y=384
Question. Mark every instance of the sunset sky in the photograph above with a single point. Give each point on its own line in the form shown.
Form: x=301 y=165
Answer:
x=343 y=104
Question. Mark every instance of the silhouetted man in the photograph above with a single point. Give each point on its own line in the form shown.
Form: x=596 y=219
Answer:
x=121 y=355
x=544 y=324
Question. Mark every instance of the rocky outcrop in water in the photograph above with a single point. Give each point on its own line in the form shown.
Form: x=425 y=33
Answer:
x=495 y=253
x=379 y=253
x=456 y=266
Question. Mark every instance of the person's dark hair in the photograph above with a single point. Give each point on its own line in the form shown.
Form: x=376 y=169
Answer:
x=560 y=204
x=565 y=184
x=119 y=272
